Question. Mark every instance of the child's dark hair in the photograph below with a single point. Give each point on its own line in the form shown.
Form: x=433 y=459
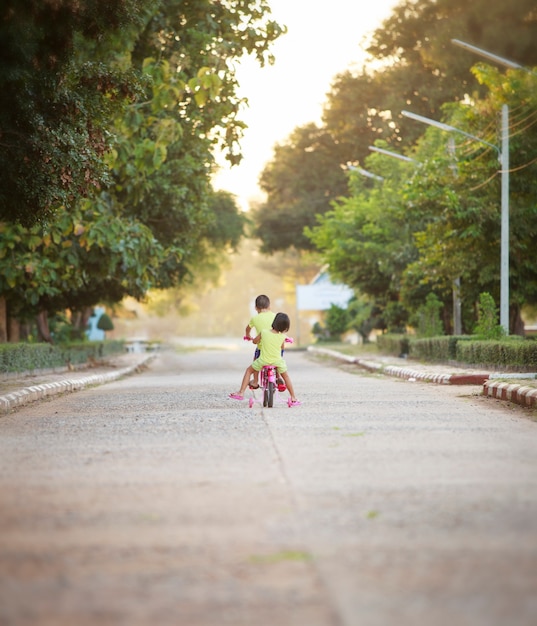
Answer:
x=281 y=322
x=262 y=302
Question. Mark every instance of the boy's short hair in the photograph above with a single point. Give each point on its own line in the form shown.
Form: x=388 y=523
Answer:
x=281 y=322
x=262 y=302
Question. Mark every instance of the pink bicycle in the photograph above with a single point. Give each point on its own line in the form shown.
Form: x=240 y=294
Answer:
x=268 y=376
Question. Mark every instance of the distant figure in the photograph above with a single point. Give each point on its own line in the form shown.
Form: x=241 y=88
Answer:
x=271 y=342
x=93 y=332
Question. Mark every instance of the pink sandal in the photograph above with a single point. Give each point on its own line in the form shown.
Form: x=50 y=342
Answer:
x=291 y=403
x=236 y=396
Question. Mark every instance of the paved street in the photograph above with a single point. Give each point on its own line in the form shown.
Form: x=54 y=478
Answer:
x=156 y=500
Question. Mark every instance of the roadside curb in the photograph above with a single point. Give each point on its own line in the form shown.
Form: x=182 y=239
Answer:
x=516 y=393
x=405 y=372
x=519 y=394
x=37 y=392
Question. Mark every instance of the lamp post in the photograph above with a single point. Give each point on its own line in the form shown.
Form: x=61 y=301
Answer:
x=488 y=55
x=503 y=157
x=504 y=285
x=363 y=172
x=402 y=157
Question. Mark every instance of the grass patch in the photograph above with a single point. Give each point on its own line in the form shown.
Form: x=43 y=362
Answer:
x=523 y=382
x=279 y=557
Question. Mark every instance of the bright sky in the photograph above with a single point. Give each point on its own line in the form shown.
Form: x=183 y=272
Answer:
x=323 y=39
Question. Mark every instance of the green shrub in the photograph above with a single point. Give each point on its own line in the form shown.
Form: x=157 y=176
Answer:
x=395 y=344
x=25 y=357
x=429 y=323
x=336 y=323
x=105 y=323
x=443 y=348
x=508 y=353
x=430 y=349
x=487 y=326
x=320 y=333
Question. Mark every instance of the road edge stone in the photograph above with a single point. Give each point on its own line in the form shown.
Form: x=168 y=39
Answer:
x=37 y=392
x=518 y=394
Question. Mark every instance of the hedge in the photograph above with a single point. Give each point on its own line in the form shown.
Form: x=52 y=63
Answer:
x=506 y=353
x=436 y=348
x=27 y=357
x=393 y=344
x=500 y=354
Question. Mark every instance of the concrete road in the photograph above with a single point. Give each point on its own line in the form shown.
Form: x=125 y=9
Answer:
x=155 y=500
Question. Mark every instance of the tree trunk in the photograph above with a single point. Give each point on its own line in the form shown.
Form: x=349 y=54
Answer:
x=13 y=330
x=42 y=327
x=3 y=320
x=25 y=330
x=86 y=314
x=516 y=322
x=76 y=316
x=79 y=319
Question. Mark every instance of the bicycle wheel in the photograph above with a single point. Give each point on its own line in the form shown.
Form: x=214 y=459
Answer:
x=263 y=383
x=270 y=394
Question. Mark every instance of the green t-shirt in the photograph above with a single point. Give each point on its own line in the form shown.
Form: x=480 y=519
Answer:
x=271 y=351
x=262 y=320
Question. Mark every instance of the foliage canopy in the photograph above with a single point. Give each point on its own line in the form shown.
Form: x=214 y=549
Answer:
x=109 y=119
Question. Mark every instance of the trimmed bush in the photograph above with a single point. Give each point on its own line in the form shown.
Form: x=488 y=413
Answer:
x=508 y=353
x=394 y=344
x=442 y=348
x=27 y=357
x=105 y=323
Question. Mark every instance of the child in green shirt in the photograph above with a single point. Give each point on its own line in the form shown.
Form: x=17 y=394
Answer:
x=262 y=320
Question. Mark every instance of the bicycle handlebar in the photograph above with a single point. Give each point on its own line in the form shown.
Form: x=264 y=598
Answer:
x=287 y=339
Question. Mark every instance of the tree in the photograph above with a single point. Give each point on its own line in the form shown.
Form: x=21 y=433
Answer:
x=155 y=219
x=75 y=262
x=301 y=181
x=413 y=65
x=428 y=322
x=487 y=325
x=462 y=240
x=420 y=66
x=53 y=113
x=367 y=239
x=105 y=323
x=363 y=316
x=449 y=209
x=163 y=160
x=201 y=40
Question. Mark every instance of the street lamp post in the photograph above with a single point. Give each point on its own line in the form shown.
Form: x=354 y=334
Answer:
x=504 y=285
x=402 y=157
x=503 y=157
x=363 y=172
x=488 y=55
